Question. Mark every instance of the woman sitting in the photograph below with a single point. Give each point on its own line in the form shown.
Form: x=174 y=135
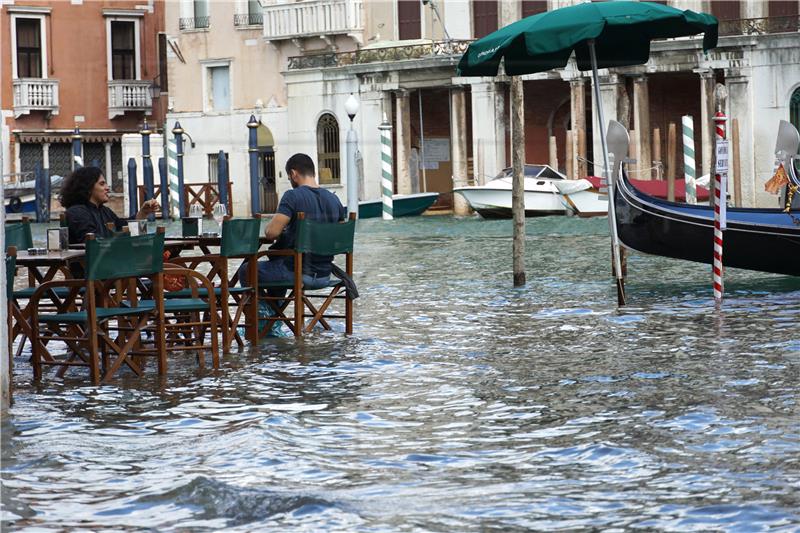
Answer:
x=84 y=194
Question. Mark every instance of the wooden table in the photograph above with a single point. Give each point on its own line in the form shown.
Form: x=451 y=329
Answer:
x=52 y=261
x=205 y=243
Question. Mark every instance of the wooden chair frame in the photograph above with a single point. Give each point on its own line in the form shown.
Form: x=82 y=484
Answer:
x=95 y=332
x=302 y=299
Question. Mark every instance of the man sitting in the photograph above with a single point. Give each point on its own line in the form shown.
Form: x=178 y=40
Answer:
x=317 y=204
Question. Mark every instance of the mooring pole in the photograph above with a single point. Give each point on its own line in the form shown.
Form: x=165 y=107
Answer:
x=147 y=167
x=177 y=131
x=689 y=172
x=387 y=179
x=518 y=181
x=133 y=189
x=720 y=189
x=5 y=359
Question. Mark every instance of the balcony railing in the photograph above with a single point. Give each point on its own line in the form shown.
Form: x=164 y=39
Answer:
x=194 y=23
x=377 y=55
x=759 y=26
x=248 y=19
x=312 y=18
x=128 y=95
x=35 y=94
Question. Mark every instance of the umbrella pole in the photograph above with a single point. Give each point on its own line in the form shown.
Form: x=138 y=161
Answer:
x=612 y=219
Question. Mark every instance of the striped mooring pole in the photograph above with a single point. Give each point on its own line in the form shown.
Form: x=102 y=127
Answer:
x=688 y=159
x=720 y=181
x=172 y=178
x=387 y=181
x=177 y=131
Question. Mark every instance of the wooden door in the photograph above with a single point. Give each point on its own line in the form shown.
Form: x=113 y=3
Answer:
x=409 y=19
x=532 y=7
x=484 y=17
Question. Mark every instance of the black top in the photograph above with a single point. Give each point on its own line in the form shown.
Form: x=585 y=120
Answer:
x=318 y=204
x=88 y=218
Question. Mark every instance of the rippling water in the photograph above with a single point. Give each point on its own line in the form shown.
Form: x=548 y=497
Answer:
x=459 y=404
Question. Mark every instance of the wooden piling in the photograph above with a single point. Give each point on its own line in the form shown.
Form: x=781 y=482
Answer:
x=518 y=183
x=553 y=152
x=672 y=146
x=633 y=168
x=570 y=158
x=737 y=164
x=656 y=151
x=581 y=168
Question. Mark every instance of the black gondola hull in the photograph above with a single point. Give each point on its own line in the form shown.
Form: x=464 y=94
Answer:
x=679 y=231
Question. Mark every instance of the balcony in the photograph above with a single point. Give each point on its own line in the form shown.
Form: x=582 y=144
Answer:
x=243 y=20
x=35 y=94
x=313 y=18
x=759 y=26
x=194 y=23
x=128 y=95
x=448 y=50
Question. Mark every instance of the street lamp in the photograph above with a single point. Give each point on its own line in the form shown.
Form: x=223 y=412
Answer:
x=351 y=107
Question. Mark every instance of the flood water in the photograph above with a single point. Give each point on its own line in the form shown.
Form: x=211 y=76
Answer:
x=459 y=404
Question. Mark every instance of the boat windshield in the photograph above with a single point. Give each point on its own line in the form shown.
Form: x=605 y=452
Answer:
x=533 y=171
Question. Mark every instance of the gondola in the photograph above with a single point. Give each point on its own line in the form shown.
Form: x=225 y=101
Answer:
x=765 y=240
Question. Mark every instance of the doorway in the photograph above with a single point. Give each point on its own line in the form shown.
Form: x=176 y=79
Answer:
x=266 y=169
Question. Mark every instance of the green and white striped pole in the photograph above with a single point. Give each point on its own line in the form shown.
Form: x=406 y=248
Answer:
x=172 y=178
x=688 y=159
x=387 y=182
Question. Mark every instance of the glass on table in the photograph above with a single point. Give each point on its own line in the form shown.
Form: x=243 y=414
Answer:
x=220 y=212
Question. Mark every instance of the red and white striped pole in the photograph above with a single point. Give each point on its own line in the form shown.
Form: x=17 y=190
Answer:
x=720 y=197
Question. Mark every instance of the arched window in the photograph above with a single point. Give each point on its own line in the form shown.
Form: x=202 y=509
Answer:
x=328 y=149
x=794 y=108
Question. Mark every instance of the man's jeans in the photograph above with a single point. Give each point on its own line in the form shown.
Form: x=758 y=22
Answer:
x=277 y=270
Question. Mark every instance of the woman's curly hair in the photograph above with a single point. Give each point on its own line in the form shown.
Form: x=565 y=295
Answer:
x=77 y=188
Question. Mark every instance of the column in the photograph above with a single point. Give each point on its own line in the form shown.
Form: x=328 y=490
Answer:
x=46 y=155
x=488 y=143
x=109 y=178
x=740 y=107
x=641 y=121
x=705 y=127
x=500 y=127
x=403 y=142
x=17 y=154
x=577 y=107
x=458 y=146
x=371 y=116
x=609 y=92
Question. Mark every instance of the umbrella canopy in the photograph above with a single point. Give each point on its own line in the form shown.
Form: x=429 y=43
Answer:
x=621 y=30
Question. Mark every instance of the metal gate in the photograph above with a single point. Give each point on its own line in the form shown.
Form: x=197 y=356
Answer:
x=269 y=188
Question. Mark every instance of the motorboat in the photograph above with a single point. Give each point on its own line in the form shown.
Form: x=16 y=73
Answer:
x=584 y=197
x=403 y=205
x=19 y=194
x=493 y=200
x=765 y=240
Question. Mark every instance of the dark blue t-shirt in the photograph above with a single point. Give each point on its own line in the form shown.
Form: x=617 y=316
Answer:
x=317 y=204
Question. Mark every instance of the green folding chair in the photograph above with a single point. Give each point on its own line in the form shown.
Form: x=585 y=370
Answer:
x=237 y=304
x=88 y=333
x=319 y=238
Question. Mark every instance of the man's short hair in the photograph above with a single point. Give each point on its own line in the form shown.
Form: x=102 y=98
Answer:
x=303 y=164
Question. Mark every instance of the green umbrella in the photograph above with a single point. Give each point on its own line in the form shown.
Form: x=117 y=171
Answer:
x=602 y=35
x=621 y=31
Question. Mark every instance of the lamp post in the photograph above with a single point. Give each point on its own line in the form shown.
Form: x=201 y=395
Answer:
x=351 y=107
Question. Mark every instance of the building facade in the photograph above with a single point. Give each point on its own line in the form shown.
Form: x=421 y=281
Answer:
x=97 y=65
x=294 y=64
